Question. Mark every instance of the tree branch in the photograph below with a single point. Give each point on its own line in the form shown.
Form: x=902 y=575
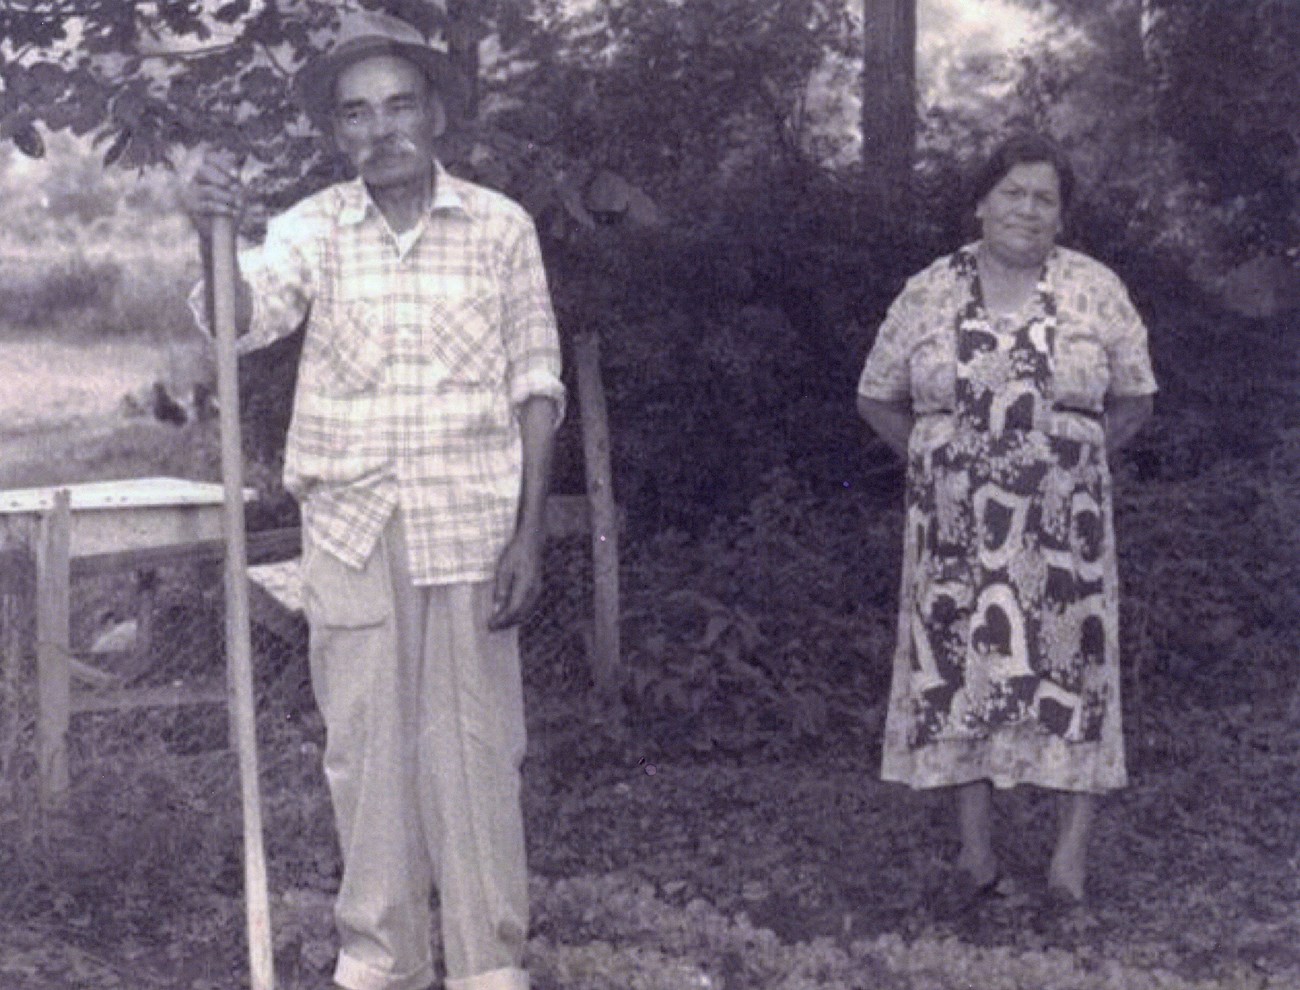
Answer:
x=276 y=67
x=191 y=55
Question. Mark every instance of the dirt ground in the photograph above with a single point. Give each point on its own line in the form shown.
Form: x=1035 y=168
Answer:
x=745 y=873
x=1194 y=865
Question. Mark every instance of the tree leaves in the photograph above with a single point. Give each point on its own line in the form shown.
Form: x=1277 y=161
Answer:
x=1219 y=85
x=28 y=140
x=232 y=12
x=152 y=71
x=146 y=80
x=117 y=147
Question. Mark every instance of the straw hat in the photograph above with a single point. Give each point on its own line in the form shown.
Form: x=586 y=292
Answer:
x=365 y=33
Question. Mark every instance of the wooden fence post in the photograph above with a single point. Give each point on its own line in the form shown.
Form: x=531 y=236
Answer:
x=53 y=609
x=606 y=666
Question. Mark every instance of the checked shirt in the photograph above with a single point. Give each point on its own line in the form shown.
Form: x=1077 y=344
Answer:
x=417 y=353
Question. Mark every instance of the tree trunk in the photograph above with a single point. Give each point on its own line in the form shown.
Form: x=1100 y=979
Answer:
x=464 y=29
x=888 y=106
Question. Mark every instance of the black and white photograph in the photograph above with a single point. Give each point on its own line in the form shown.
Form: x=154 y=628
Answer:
x=649 y=495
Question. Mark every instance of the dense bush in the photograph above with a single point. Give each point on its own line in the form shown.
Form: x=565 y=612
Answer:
x=770 y=630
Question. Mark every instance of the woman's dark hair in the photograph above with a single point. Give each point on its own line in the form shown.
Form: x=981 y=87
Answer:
x=1028 y=148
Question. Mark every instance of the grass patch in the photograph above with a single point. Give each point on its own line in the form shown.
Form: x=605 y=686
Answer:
x=53 y=379
x=86 y=453
x=97 y=294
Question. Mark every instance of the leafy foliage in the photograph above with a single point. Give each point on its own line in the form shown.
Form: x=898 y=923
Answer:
x=711 y=84
x=767 y=634
x=147 y=77
x=149 y=80
x=1228 y=91
x=1185 y=114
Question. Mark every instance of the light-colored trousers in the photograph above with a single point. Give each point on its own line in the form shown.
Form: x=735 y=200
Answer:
x=424 y=719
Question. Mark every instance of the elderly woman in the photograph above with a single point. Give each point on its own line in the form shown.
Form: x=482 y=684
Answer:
x=1004 y=374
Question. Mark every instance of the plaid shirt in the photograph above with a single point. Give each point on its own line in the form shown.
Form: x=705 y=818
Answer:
x=418 y=351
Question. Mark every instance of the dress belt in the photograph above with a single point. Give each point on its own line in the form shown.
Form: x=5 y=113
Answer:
x=1073 y=410
x=1078 y=411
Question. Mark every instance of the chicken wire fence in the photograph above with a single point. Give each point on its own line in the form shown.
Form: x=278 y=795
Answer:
x=148 y=666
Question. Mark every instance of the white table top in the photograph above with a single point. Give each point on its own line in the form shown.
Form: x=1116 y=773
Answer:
x=127 y=493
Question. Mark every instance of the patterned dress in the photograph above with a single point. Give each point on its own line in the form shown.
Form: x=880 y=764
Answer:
x=1007 y=661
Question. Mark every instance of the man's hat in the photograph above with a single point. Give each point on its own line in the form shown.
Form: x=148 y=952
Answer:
x=365 y=33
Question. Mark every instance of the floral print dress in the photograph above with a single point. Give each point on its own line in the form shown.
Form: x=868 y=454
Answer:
x=1007 y=659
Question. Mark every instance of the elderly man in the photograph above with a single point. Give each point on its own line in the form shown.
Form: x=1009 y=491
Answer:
x=427 y=398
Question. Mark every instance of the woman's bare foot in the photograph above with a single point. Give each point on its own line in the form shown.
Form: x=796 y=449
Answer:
x=1068 y=869
x=1065 y=879
x=974 y=812
x=982 y=869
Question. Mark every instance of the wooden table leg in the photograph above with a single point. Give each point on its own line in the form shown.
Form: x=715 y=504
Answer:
x=16 y=597
x=54 y=695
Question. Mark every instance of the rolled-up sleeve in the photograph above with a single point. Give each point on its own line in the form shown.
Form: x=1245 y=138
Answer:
x=529 y=331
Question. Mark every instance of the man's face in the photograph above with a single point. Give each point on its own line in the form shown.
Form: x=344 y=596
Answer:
x=386 y=120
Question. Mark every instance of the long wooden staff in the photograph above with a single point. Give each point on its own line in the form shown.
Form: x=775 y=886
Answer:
x=239 y=665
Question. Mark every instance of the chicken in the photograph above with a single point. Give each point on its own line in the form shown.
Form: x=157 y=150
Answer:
x=166 y=409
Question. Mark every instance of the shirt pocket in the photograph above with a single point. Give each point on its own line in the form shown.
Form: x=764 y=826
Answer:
x=454 y=330
x=465 y=418
x=348 y=347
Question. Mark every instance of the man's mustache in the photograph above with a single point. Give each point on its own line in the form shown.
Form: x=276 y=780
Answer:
x=400 y=143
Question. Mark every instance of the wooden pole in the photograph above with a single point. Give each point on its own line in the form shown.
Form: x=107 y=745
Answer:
x=239 y=664
x=53 y=677
x=604 y=514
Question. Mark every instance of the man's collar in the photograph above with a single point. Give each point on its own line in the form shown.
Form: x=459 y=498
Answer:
x=357 y=201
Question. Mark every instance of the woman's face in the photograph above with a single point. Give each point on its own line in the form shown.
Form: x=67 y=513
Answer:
x=1020 y=217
